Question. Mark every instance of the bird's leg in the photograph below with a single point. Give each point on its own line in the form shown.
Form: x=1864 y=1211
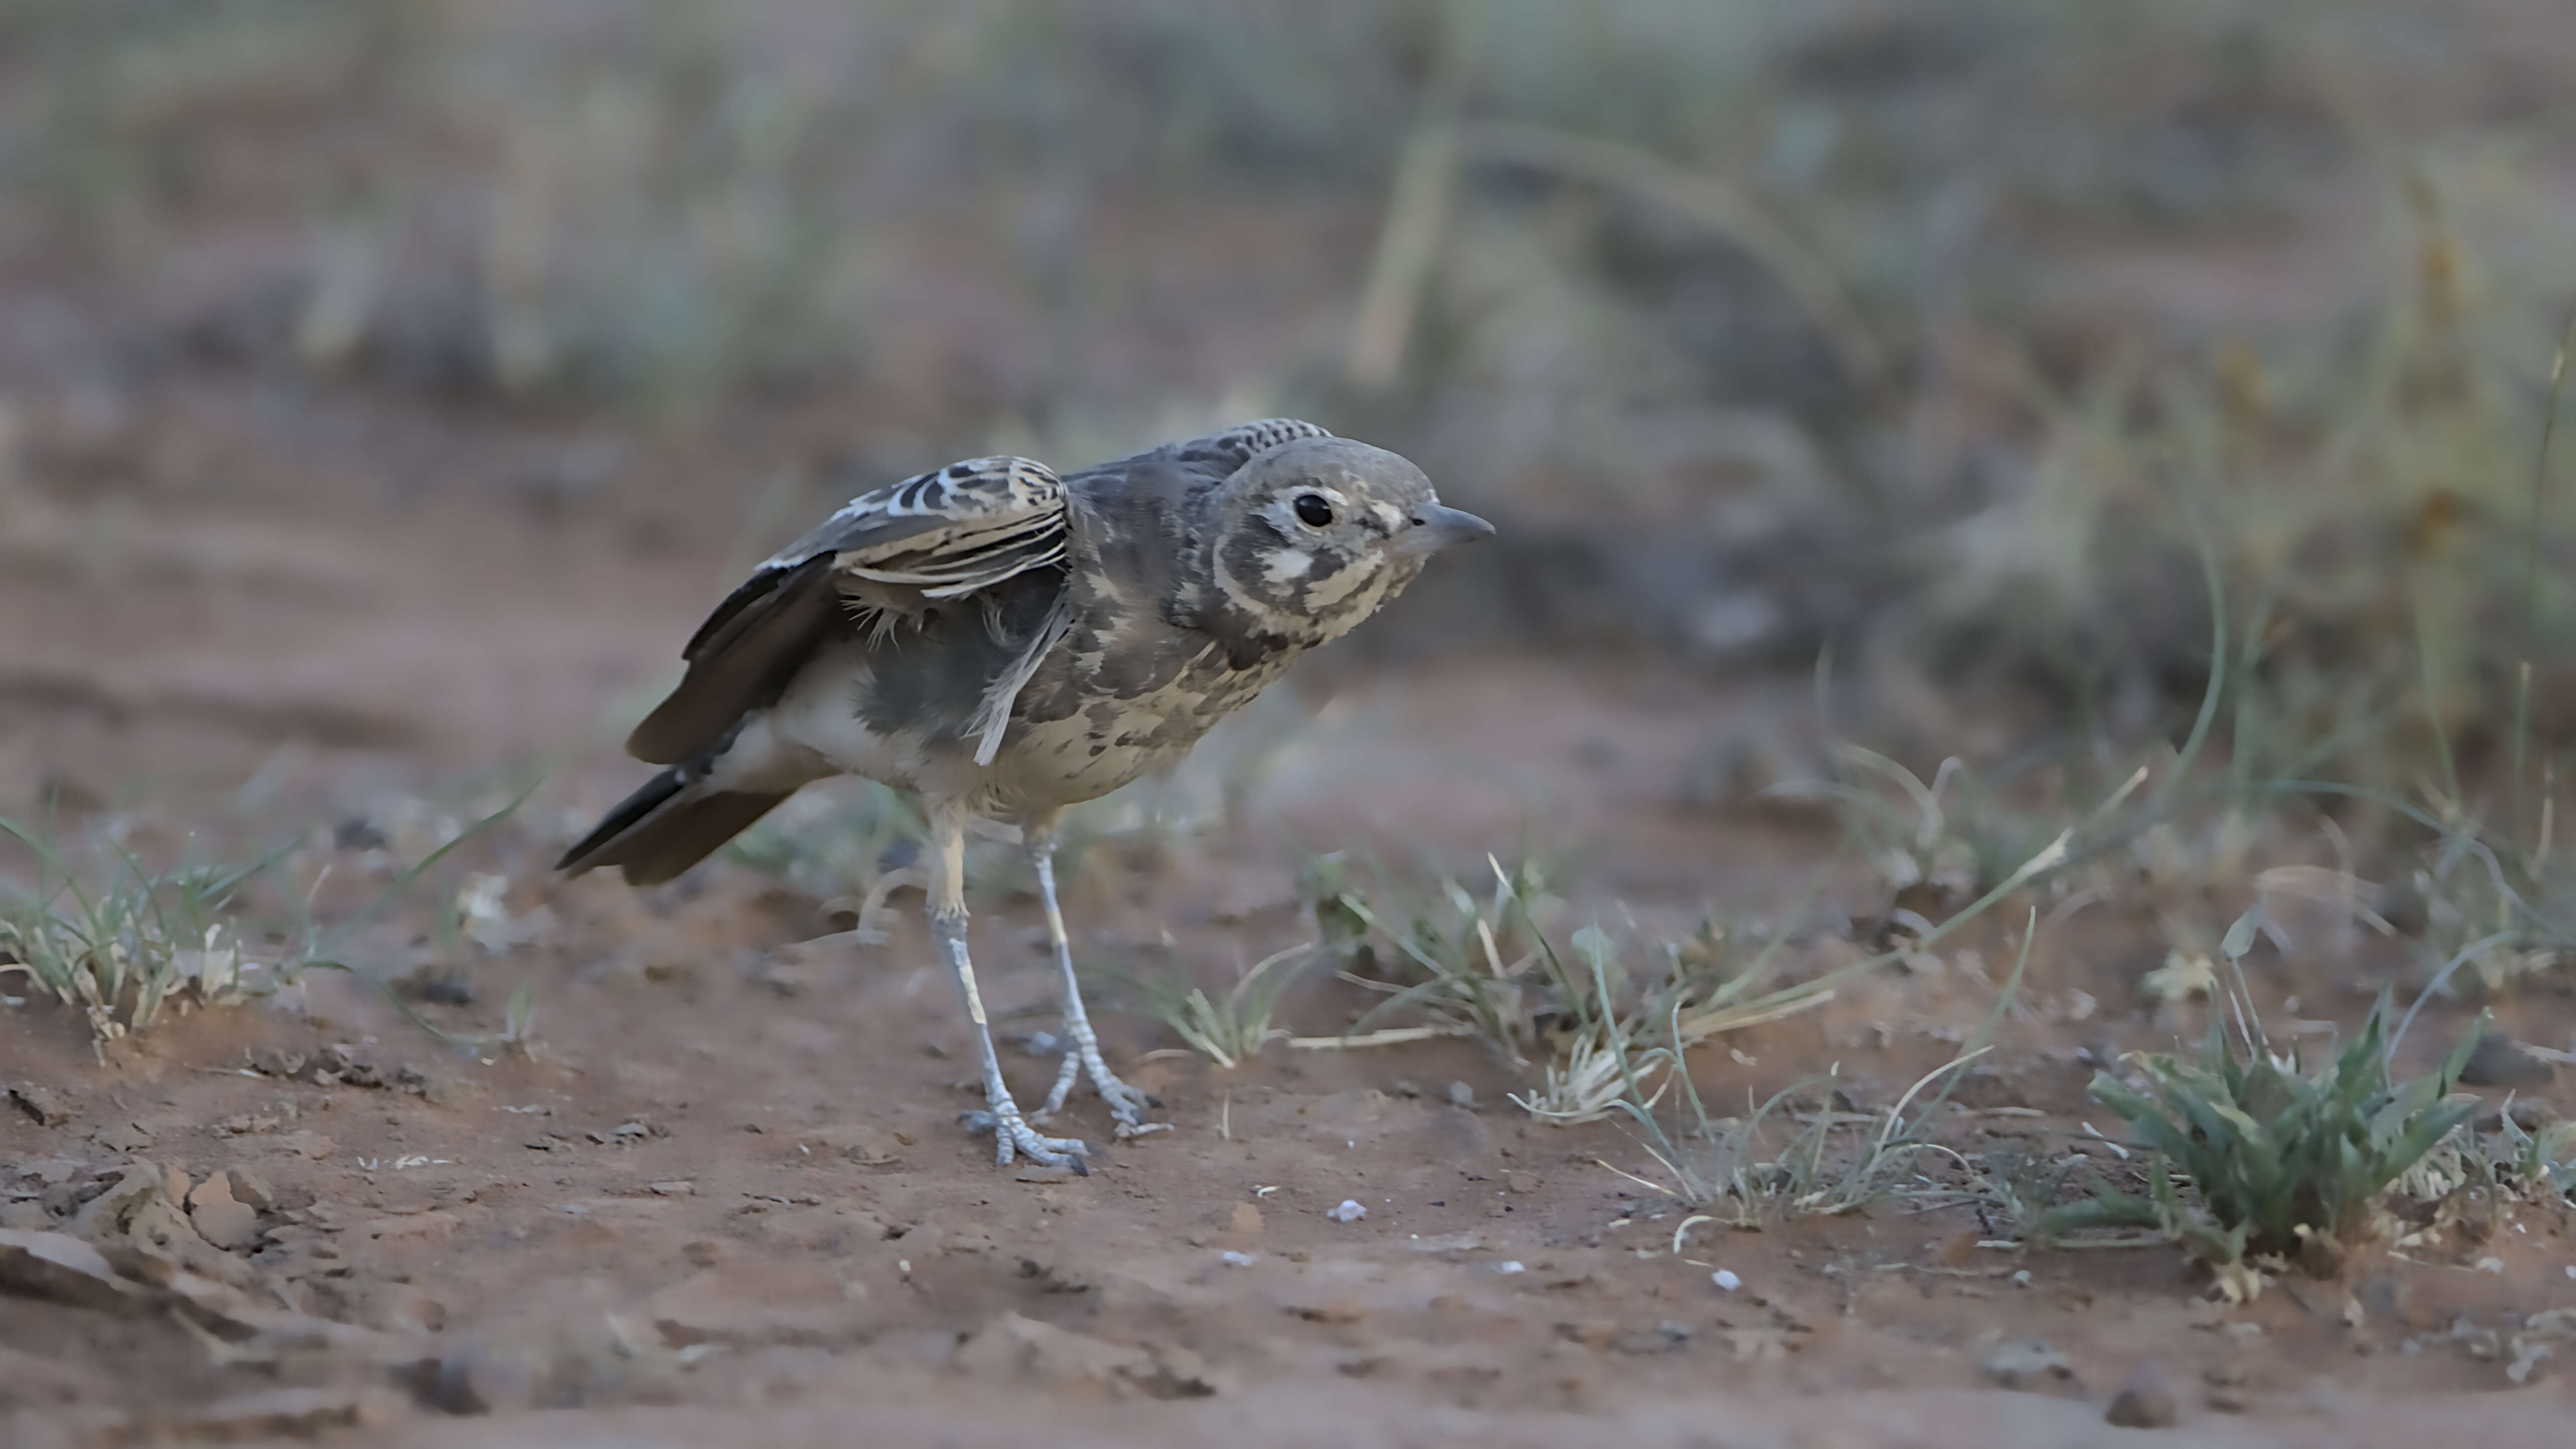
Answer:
x=1011 y=1134
x=1126 y=1104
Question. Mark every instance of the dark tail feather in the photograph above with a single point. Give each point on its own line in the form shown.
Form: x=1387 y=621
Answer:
x=664 y=828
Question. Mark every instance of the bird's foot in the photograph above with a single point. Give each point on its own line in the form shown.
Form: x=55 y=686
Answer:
x=1127 y=1105
x=1012 y=1136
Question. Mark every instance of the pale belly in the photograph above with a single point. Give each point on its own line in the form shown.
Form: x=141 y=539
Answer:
x=816 y=730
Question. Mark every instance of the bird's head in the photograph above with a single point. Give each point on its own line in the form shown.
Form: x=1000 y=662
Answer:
x=1310 y=537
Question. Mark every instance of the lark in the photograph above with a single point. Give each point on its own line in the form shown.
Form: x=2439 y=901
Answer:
x=1005 y=643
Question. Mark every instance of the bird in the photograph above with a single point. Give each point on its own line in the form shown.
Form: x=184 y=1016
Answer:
x=1005 y=642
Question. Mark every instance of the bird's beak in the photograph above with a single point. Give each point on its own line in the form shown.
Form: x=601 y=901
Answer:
x=1438 y=527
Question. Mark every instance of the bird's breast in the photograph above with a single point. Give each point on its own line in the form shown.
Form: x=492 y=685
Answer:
x=1084 y=730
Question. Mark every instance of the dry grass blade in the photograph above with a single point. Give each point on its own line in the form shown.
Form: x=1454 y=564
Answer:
x=1228 y=1030
x=122 y=949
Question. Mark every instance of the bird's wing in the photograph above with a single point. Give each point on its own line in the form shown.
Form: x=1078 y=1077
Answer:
x=1238 y=445
x=946 y=534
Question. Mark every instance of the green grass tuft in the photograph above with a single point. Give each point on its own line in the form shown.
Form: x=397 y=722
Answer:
x=2273 y=1157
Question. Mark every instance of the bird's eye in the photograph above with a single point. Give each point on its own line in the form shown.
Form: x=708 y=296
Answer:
x=1313 y=511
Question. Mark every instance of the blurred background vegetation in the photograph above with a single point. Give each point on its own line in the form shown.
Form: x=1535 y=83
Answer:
x=1982 y=346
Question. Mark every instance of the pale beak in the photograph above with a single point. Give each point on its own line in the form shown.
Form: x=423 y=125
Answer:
x=1436 y=527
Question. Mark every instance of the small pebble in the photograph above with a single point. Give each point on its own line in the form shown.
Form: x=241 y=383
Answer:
x=1511 y=1265
x=1725 y=1278
x=1349 y=1212
x=1233 y=1259
x=2146 y=1401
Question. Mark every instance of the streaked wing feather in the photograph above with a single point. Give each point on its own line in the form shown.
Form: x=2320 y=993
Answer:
x=949 y=533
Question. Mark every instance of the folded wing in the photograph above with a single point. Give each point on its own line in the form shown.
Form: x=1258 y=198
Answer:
x=939 y=536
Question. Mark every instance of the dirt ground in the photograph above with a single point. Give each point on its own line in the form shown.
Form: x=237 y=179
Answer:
x=721 y=1194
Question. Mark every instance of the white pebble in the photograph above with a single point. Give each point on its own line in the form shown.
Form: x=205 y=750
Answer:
x=2021 y=1279
x=1233 y=1259
x=1349 y=1212
x=1511 y=1265
x=1725 y=1278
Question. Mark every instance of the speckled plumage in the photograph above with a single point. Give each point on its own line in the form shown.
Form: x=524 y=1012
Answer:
x=1007 y=642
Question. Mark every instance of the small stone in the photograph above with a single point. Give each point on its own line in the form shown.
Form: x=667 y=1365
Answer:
x=2146 y=1401
x=1462 y=1095
x=1984 y=1088
x=278 y=1062
x=2500 y=1061
x=1350 y=1211
x=1726 y=1280
x=40 y=1104
x=219 y=1218
x=1520 y=1181
x=2024 y=1364
x=252 y=1190
x=308 y=1144
x=1233 y=1259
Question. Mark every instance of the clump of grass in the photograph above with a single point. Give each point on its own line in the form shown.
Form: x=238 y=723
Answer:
x=1915 y=839
x=126 y=942
x=134 y=941
x=1228 y=1030
x=2280 y=1163
x=1837 y=1162
x=1576 y=1016
x=1478 y=965
x=2542 y=1161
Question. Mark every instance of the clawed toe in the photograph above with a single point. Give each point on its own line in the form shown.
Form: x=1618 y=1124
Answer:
x=1013 y=1137
x=1127 y=1106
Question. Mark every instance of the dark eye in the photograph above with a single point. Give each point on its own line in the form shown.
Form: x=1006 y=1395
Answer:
x=1313 y=511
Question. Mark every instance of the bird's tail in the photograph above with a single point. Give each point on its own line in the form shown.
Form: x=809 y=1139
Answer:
x=675 y=821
